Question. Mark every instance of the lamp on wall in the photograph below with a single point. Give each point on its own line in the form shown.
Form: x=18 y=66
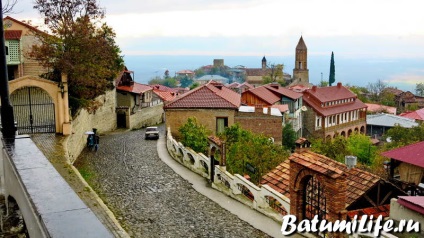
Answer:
x=62 y=88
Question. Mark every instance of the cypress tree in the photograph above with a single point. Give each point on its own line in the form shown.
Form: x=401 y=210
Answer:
x=332 y=78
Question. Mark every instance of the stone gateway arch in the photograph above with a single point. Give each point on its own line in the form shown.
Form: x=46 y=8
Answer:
x=40 y=105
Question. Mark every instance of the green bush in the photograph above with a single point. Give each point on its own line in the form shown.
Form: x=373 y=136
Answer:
x=194 y=135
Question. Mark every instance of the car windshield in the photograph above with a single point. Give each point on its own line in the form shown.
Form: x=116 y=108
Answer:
x=151 y=129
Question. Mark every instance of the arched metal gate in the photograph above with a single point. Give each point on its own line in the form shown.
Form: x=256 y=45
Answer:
x=34 y=110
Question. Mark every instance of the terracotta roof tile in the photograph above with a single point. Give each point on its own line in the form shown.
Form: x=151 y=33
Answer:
x=265 y=95
x=358 y=181
x=135 y=88
x=210 y=95
x=163 y=88
x=416 y=115
x=12 y=34
x=383 y=210
x=165 y=96
x=327 y=94
x=283 y=91
x=340 y=108
x=380 y=108
x=22 y=23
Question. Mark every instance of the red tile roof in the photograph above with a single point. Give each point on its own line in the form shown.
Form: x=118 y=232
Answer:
x=340 y=108
x=383 y=210
x=279 y=178
x=12 y=34
x=282 y=107
x=328 y=94
x=210 y=95
x=416 y=115
x=298 y=88
x=22 y=23
x=185 y=72
x=165 y=96
x=135 y=88
x=411 y=154
x=395 y=91
x=265 y=94
x=283 y=91
x=163 y=88
x=358 y=181
x=239 y=85
x=380 y=108
x=315 y=96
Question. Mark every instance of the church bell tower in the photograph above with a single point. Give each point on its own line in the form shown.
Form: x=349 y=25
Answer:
x=301 y=71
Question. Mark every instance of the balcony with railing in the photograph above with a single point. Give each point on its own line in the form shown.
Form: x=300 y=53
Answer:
x=338 y=127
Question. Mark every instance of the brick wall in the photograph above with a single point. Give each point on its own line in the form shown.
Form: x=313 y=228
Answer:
x=260 y=123
x=175 y=118
x=334 y=191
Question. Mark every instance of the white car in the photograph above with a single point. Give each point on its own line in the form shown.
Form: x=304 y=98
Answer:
x=151 y=132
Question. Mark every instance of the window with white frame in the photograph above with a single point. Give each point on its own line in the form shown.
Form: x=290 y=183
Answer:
x=318 y=122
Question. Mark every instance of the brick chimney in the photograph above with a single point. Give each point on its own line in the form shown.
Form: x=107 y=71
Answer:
x=339 y=85
x=314 y=88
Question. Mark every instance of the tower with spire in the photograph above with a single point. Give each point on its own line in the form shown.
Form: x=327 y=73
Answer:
x=264 y=62
x=301 y=71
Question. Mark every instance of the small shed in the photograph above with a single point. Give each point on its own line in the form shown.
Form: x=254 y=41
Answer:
x=407 y=167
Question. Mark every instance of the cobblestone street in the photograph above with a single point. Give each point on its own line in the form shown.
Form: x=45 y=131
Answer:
x=148 y=197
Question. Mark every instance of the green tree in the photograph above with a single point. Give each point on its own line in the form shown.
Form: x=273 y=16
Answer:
x=332 y=77
x=289 y=137
x=387 y=98
x=360 y=92
x=275 y=74
x=199 y=72
x=336 y=148
x=246 y=148
x=375 y=90
x=323 y=83
x=419 y=89
x=401 y=136
x=79 y=46
x=186 y=81
x=156 y=80
x=360 y=146
x=194 y=85
x=194 y=135
x=170 y=82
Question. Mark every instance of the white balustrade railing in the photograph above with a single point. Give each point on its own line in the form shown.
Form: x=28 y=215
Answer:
x=235 y=185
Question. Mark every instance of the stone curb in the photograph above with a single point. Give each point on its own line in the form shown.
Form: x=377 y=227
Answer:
x=121 y=232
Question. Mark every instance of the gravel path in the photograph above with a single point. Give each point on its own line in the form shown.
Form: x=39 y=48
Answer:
x=148 y=197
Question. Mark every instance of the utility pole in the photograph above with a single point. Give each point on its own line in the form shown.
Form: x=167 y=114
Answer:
x=7 y=118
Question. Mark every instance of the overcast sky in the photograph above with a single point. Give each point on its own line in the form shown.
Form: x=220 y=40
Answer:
x=376 y=28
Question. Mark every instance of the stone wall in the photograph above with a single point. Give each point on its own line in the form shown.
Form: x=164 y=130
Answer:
x=103 y=118
x=147 y=116
x=176 y=118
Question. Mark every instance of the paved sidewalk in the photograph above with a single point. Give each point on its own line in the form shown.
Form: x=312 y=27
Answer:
x=253 y=217
x=52 y=147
